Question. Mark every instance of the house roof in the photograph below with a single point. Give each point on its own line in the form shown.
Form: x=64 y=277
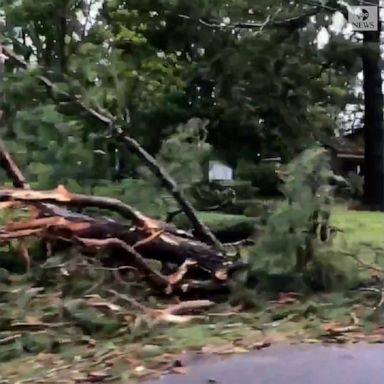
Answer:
x=343 y=145
x=354 y=133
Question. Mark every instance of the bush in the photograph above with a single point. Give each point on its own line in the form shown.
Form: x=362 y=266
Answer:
x=356 y=184
x=290 y=242
x=263 y=176
x=226 y=227
x=242 y=188
x=256 y=208
x=224 y=194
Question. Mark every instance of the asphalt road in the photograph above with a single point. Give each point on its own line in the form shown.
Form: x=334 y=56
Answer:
x=297 y=364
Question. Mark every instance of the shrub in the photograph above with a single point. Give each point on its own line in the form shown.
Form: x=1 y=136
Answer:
x=356 y=183
x=226 y=227
x=263 y=176
x=255 y=208
x=243 y=188
x=290 y=242
x=224 y=196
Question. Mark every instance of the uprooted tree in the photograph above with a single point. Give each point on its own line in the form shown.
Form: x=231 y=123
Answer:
x=130 y=244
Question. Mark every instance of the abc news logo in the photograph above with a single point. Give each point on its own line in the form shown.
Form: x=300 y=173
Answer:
x=364 y=18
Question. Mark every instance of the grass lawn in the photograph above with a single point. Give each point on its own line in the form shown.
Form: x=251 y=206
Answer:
x=362 y=237
x=361 y=229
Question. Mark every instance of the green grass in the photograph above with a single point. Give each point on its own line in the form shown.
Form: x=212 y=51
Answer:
x=362 y=233
x=359 y=247
x=360 y=228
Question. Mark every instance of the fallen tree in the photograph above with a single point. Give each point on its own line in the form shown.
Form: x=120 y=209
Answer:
x=128 y=243
x=194 y=260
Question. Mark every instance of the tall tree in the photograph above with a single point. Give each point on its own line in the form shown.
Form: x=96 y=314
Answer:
x=373 y=120
x=370 y=54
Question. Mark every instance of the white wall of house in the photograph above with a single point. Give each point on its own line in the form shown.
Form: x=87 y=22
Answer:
x=219 y=171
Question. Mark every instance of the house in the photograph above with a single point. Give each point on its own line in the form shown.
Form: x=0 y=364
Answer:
x=347 y=152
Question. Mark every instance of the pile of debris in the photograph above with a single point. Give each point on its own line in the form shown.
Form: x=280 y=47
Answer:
x=193 y=265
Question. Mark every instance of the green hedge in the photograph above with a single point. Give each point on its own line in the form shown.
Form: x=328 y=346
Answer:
x=262 y=176
x=243 y=188
x=227 y=227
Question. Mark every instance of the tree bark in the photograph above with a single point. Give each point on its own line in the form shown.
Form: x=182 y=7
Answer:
x=144 y=238
x=373 y=120
x=131 y=244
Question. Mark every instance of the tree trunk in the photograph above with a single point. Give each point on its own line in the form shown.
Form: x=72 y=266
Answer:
x=373 y=121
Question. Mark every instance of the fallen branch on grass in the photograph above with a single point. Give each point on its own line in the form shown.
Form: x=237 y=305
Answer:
x=129 y=245
x=378 y=291
x=197 y=267
x=176 y=313
x=154 y=277
x=151 y=238
x=362 y=263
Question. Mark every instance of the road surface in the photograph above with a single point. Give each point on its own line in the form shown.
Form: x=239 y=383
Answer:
x=296 y=364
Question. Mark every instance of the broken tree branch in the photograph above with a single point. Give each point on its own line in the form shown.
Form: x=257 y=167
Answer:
x=62 y=196
x=130 y=245
x=172 y=314
x=161 y=245
x=188 y=306
x=291 y=22
x=131 y=301
x=152 y=239
x=177 y=313
x=177 y=276
x=11 y=168
x=154 y=277
x=202 y=231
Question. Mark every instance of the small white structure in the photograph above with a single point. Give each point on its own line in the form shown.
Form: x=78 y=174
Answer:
x=219 y=171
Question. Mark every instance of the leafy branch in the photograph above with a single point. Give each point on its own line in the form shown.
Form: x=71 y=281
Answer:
x=291 y=22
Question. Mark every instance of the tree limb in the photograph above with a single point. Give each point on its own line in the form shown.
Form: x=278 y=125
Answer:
x=153 y=239
x=188 y=306
x=290 y=22
x=61 y=196
x=11 y=168
x=153 y=276
x=201 y=230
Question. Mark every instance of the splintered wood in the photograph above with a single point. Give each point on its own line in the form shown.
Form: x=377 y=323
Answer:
x=193 y=266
